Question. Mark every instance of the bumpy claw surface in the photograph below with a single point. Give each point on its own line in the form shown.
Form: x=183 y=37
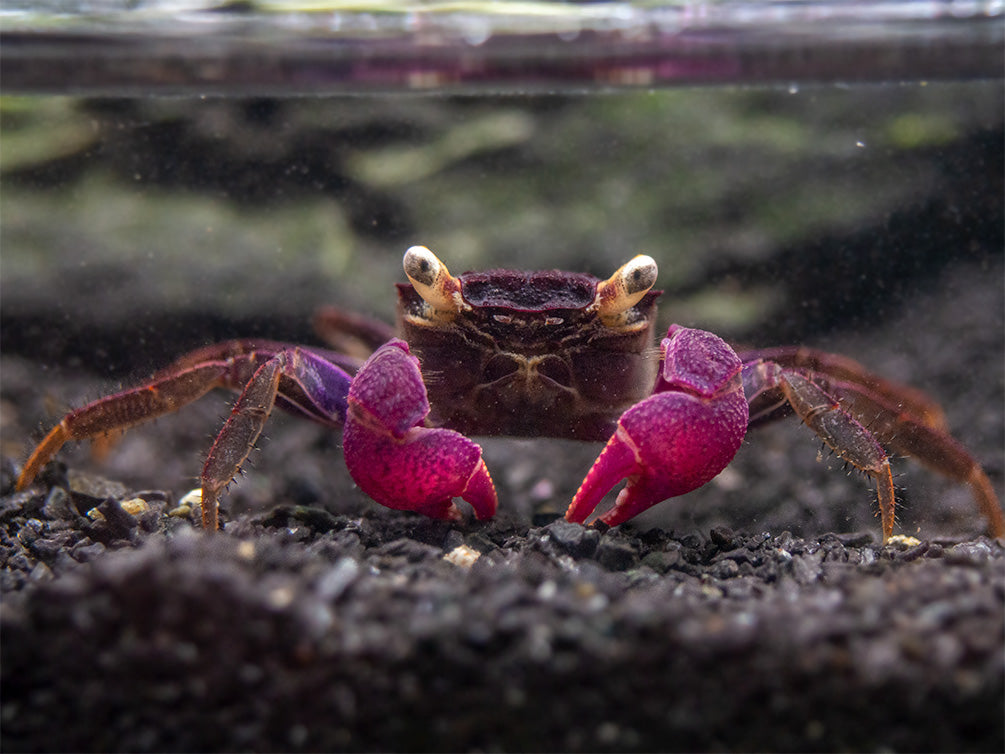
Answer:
x=394 y=458
x=676 y=440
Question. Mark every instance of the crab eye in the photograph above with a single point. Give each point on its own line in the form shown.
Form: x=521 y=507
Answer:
x=625 y=288
x=431 y=279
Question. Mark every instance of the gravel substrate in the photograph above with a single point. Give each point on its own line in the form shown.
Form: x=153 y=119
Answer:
x=303 y=630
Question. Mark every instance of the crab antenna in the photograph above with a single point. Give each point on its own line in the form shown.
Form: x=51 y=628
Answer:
x=625 y=288
x=431 y=279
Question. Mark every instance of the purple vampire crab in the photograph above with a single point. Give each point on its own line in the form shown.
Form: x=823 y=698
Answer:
x=557 y=354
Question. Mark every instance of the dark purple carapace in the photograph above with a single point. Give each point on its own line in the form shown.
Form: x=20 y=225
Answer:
x=557 y=354
x=518 y=290
x=529 y=356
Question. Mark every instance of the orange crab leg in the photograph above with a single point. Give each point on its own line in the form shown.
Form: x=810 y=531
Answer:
x=305 y=380
x=900 y=417
x=940 y=452
x=828 y=402
x=124 y=410
x=845 y=436
x=245 y=355
x=238 y=436
x=895 y=397
x=300 y=379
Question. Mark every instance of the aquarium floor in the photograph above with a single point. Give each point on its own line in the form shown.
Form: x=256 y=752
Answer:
x=303 y=630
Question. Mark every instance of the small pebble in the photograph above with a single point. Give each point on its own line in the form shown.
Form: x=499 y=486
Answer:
x=188 y=501
x=135 y=505
x=902 y=541
x=462 y=556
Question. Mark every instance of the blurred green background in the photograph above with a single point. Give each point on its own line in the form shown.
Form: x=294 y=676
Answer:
x=132 y=228
x=865 y=220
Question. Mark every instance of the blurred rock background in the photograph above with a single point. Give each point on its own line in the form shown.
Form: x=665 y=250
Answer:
x=864 y=220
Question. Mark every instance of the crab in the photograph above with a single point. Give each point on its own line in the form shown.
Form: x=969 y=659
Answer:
x=549 y=353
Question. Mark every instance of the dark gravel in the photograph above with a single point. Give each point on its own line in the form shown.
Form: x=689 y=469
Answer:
x=304 y=630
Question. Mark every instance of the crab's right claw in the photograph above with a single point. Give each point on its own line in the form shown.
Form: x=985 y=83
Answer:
x=676 y=440
x=394 y=458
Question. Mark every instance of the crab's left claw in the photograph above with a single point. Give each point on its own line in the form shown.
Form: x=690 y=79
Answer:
x=676 y=440
x=394 y=458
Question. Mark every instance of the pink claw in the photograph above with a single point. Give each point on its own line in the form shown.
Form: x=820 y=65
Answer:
x=397 y=461
x=677 y=439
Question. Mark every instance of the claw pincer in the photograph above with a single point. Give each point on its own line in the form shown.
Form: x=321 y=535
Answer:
x=394 y=458
x=677 y=439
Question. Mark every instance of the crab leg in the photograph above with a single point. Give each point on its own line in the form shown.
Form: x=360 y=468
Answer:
x=313 y=387
x=903 y=419
x=245 y=355
x=840 y=432
x=394 y=458
x=350 y=332
x=895 y=397
x=941 y=453
x=677 y=439
x=123 y=410
x=311 y=383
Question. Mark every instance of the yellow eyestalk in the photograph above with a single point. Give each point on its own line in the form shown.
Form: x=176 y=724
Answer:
x=432 y=280
x=624 y=289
